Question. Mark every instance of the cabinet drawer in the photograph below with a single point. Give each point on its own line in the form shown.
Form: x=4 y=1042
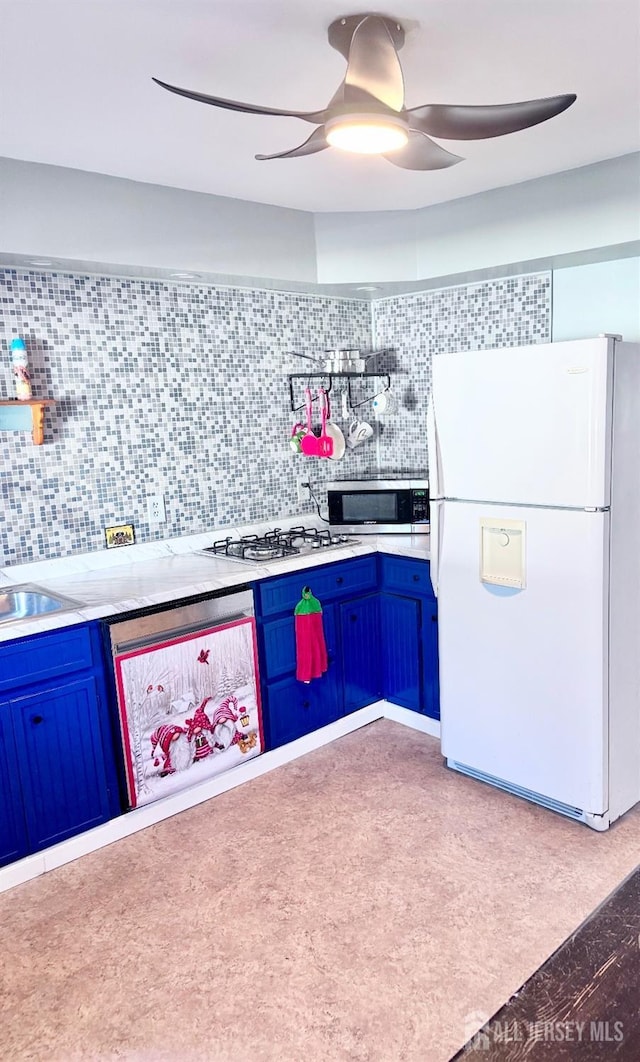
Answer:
x=44 y=656
x=405 y=575
x=342 y=579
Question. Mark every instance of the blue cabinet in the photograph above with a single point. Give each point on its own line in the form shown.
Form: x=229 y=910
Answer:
x=380 y=622
x=28 y=661
x=293 y=708
x=400 y=650
x=329 y=582
x=61 y=761
x=57 y=763
x=405 y=575
x=279 y=641
x=359 y=625
x=409 y=635
x=13 y=831
x=430 y=674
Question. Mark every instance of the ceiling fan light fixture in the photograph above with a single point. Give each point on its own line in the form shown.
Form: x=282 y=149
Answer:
x=367 y=134
x=367 y=113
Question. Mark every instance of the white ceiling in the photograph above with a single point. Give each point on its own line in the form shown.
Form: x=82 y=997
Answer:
x=75 y=81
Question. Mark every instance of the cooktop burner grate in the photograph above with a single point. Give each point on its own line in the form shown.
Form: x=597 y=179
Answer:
x=277 y=544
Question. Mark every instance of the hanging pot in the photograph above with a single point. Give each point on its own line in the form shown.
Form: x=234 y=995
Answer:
x=353 y=361
x=337 y=361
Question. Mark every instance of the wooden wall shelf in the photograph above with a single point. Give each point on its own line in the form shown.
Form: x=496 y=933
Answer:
x=20 y=415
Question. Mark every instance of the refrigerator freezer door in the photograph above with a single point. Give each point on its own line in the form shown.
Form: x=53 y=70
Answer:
x=435 y=477
x=528 y=425
x=523 y=672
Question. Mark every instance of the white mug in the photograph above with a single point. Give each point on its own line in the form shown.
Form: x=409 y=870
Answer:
x=384 y=403
x=359 y=430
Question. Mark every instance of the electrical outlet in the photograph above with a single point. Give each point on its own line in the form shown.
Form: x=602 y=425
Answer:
x=303 y=488
x=155 y=509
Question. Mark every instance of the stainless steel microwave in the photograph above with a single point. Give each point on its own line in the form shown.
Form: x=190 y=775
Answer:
x=377 y=506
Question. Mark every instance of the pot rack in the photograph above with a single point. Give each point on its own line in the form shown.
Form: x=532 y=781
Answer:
x=330 y=377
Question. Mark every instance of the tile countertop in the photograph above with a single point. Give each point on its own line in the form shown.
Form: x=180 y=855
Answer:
x=103 y=585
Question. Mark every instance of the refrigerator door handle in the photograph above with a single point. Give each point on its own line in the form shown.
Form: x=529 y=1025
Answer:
x=437 y=528
x=433 y=451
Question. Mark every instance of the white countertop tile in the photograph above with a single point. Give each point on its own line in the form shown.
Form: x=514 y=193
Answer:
x=159 y=572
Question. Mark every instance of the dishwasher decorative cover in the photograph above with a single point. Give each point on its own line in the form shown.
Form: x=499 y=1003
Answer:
x=189 y=708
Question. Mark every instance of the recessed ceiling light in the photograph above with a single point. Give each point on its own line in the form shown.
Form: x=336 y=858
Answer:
x=185 y=276
x=368 y=287
x=40 y=261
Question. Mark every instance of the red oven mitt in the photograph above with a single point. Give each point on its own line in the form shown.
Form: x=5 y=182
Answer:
x=311 y=650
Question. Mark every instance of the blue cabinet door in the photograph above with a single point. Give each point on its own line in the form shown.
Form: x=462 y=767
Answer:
x=279 y=640
x=295 y=708
x=401 y=650
x=61 y=761
x=360 y=637
x=13 y=834
x=430 y=675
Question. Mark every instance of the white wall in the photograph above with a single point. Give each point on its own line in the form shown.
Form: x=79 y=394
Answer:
x=56 y=212
x=50 y=211
x=603 y=297
x=590 y=207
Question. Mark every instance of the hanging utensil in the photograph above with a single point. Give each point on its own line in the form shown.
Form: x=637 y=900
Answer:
x=307 y=357
x=335 y=433
x=298 y=432
x=309 y=442
x=325 y=440
x=313 y=445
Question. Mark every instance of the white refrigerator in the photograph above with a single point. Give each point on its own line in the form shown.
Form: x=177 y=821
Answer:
x=534 y=469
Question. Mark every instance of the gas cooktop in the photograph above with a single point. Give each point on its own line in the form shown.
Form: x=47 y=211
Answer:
x=277 y=544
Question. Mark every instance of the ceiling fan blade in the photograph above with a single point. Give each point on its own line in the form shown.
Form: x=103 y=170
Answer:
x=374 y=67
x=353 y=96
x=248 y=108
x=421 y=153
x=479 y=123
x=316 y=142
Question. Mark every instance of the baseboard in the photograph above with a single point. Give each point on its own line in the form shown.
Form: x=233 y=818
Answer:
x=124 y=825
x=411 y=719
x=32 y=866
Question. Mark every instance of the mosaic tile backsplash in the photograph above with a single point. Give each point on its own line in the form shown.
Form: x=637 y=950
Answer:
x=510 y=312
x=181 y=390
x=161 y=389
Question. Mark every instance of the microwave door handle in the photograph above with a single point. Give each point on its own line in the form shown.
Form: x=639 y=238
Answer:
x=436 y=521
x=433 y=451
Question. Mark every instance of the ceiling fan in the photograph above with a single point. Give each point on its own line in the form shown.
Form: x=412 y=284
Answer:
x=366 y=114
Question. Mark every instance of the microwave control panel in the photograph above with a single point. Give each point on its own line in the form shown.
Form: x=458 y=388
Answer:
x=419 y=506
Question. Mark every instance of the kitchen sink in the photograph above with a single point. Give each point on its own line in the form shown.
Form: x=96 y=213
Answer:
x=28 y=600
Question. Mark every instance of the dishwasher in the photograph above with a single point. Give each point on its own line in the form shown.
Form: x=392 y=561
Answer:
x=188 y=691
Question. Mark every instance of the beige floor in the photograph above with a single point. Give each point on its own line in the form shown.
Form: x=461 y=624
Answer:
x=359 y=903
